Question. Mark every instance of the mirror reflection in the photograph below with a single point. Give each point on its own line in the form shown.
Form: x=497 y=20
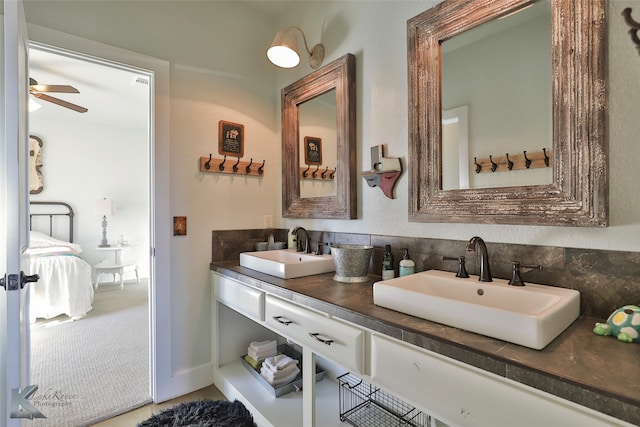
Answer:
x=497 y=99
x=318 y=145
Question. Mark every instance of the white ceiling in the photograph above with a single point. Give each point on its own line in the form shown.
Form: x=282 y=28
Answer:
x=109 y=93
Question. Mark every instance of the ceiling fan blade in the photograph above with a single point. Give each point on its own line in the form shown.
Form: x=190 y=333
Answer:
x=60 y=102
x=54 y=88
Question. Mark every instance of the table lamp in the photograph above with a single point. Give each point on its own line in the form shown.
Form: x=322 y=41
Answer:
x=105 y=207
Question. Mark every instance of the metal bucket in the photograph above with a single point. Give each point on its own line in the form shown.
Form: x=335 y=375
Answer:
x=352 y=262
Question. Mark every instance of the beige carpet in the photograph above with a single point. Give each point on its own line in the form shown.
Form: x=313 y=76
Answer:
x=97 y=367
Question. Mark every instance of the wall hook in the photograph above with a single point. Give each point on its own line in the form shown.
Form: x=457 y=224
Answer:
x=235 y=166
x=527 y=161
x=221 y=165
x=306 y=171
x=494 y=165
x=332 y=174
x=546 y=157
x=261 y=168
x=207 y=165
x=315 y=172
x=478 y=166
x=635 y=26
x=509 y=163
x=248 y=167
x=324 y=174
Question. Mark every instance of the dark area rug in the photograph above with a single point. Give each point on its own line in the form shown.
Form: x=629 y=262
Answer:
x=203 y=413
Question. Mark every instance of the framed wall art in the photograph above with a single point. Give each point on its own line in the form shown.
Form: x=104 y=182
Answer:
x=312 y=150
x=230 y=139
x=36 y=181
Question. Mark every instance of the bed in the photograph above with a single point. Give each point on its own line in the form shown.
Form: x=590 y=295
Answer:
x=65 y=278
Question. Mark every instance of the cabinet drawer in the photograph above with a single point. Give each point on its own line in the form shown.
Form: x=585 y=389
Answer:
x=242 y=298
x=327 y=337
x=466 y=396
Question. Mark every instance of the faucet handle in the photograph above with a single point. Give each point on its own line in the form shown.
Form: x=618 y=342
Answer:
x=462 y=271
x=516 y=280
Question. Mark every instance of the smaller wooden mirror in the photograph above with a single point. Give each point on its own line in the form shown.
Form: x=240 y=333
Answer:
x=338 y=76
x=36 y=184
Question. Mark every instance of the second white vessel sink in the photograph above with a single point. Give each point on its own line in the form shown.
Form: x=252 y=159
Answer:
x=287 y=263
x=531 y=315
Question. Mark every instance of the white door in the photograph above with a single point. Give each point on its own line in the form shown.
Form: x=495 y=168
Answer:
x=14 y=338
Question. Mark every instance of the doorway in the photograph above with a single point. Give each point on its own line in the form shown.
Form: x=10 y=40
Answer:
x=104 y=152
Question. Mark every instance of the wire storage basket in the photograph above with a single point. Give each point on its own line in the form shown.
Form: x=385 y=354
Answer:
x=364 y=405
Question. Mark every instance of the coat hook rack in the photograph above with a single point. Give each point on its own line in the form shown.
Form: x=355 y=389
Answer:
x=513 y=162
x=213 y=165
x=635 y=26
x=316 y=174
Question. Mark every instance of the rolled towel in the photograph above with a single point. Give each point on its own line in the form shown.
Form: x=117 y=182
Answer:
x=279 y=362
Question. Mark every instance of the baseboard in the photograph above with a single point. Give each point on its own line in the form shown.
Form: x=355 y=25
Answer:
x=185 y=382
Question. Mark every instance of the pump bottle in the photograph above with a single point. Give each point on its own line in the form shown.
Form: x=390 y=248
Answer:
x=407 y=266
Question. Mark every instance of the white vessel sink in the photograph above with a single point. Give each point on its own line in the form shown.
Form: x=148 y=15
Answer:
x=531 y=315
x=286 y=263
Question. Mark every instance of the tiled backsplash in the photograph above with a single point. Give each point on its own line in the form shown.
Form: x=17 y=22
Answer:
x=606 y=280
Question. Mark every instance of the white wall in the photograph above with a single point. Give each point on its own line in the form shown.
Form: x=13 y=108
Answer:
x=84 y=160
x=376 y=33
x=219 y=72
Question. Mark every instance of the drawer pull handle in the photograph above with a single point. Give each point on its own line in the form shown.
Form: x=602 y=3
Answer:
x=323 y=340
x=282 y=320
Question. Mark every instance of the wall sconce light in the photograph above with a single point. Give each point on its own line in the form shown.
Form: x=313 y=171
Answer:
x=284 y=50
x=105 y=207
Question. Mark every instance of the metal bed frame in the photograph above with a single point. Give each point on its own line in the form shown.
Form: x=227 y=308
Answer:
x=66 y=210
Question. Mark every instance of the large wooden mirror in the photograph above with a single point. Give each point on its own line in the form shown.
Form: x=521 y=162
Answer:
x=574 y=190
x=330 y=88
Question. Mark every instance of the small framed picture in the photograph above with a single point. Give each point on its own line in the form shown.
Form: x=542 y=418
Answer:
x=312 y=150
x=179 y=225
x=230 y=139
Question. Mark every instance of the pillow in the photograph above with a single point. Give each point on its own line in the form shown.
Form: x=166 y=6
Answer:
x=41 y=240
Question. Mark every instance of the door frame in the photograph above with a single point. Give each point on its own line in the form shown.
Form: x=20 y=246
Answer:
x=159 y=270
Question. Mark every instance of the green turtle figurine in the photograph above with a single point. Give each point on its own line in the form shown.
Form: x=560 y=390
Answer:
x=624 y=324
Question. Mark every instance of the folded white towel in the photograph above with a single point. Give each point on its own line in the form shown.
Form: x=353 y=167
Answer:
x=281 y=377
x=279 y=362
x=259 y=346
x=276 y=375
x=261 y=355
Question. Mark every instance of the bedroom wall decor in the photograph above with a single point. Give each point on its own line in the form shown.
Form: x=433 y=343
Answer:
x=36 y=181
x=179 y=225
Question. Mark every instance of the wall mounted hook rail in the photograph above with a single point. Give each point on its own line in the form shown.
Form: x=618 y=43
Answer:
x=508 y=162
x=316 y=174
x=218 y=166
x=635 y=26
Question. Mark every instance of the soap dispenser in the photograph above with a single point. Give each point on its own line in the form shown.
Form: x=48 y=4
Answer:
x=388 y=264
x=407 y=266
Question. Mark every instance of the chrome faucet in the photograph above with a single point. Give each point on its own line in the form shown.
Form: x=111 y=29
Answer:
x=307 y=244
x=473 y=245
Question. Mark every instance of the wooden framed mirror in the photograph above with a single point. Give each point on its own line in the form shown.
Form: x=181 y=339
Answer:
x=577 y=192
x=337 y=78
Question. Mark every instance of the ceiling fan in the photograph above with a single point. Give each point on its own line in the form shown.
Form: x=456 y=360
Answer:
x=38 y=91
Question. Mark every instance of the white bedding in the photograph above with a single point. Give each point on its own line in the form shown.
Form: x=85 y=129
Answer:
x=65 y=279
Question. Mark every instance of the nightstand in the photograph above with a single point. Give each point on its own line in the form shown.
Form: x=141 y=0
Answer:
x=115 y=266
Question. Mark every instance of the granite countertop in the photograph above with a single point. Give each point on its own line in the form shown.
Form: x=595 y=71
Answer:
x=597 y=372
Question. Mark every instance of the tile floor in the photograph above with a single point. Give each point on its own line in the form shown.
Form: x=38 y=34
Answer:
x=130 y=419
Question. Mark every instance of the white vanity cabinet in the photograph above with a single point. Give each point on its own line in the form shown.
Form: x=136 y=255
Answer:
x=463 y=395
x=327 y=337
x=240 y=315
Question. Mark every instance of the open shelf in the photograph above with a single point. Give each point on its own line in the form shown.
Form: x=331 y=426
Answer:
x=236 y=382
